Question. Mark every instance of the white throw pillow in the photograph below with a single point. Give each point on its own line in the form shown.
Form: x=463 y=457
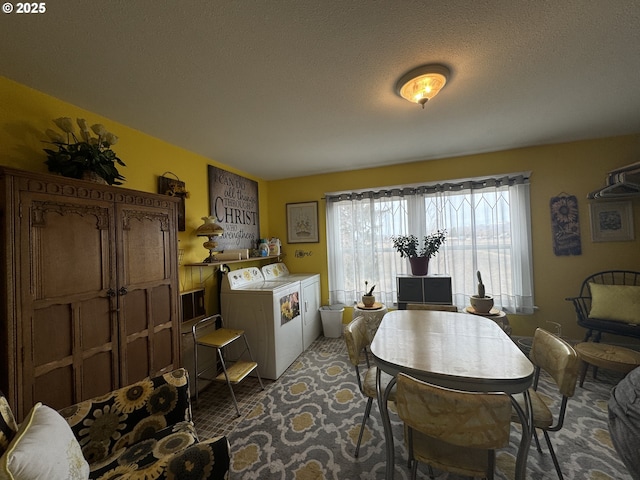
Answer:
x=44 y=447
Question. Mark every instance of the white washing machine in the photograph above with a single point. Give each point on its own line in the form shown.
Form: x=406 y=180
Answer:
x=269 y=313
x=310 y=299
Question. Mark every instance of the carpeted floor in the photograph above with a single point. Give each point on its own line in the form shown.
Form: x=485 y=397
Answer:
x=305 y=426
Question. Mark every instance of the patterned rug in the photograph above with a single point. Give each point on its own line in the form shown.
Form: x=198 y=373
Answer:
x=306 y=426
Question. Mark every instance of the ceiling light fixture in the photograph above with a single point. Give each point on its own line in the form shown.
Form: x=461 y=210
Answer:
x=422 y=83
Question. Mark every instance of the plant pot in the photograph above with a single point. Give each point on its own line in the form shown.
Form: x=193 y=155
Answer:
x=368 y=300
x=481 y=304
x=90 y=176
x=419 y=265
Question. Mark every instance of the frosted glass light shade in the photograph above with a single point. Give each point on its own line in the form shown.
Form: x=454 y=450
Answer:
x=423 y=83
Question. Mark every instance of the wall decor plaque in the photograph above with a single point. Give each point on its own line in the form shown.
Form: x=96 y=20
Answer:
x=233 y=200
x=565 y=225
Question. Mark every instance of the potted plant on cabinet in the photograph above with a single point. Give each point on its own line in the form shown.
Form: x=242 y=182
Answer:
x=87 y=157
x=409 y=246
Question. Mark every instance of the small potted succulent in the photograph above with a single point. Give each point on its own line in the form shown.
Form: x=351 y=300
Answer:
x=481 y=303
x=368 y=299
x=409 y=246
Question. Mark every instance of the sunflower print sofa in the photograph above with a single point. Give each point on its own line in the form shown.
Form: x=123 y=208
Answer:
x=140 y=432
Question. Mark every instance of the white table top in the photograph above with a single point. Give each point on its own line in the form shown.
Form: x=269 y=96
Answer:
x=453 y=350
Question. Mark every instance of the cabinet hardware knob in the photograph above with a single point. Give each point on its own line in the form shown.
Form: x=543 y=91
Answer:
x=111 y=292
x=123 y=291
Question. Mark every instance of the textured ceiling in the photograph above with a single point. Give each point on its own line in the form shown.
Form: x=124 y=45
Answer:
x=284 y=88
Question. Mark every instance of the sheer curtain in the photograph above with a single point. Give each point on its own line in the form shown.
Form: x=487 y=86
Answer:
x=488 y=228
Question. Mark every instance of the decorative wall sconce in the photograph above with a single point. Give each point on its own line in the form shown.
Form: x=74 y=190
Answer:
x=209 y=229
x=422 y=83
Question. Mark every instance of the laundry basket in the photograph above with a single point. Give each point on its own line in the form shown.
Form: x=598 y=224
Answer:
x=331 y=316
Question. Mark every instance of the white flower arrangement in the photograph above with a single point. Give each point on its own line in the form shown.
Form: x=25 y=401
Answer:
x=76 y=156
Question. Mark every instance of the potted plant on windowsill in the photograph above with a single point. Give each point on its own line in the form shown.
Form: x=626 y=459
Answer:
x=85 y=157
x=409 y=247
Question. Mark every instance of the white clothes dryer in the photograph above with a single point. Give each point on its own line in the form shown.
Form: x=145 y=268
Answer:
x=309 y=300
x=269 y=313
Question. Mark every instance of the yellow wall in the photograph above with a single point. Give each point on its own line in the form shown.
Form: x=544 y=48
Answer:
x=25 y=114
x=575 y=168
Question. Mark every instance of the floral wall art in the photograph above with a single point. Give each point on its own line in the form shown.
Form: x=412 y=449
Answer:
x=565 y=225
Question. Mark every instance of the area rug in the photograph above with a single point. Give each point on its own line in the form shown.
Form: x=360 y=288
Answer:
x=306 y=428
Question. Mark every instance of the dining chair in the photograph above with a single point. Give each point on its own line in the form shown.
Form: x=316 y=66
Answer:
x=452 y=430
x=432 y=306
x=357 y=340
x=551 y=354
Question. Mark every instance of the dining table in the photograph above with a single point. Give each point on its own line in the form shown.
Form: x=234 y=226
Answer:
x=456 y=351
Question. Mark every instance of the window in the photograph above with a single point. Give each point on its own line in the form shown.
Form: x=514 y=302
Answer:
x=488 y=229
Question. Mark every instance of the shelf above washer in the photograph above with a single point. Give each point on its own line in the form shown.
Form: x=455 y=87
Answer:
x=222 y=262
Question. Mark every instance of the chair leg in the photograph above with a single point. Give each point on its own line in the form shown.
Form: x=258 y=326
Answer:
x=535 y=437
x=195 y=367
x=246 y=342
x=410 y=458
x=553 y=455
x=584 y=366
x=415 y=469
x=226 y=376
x=367 y=411
x=491 y=464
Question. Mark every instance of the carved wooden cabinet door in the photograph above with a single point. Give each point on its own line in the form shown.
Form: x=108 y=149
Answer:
x=147 y=294
x=68 y=303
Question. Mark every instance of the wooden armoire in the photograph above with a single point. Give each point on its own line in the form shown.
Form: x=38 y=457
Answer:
x=89 y=290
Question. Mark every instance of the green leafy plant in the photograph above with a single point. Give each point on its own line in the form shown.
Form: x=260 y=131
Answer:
x=409 y=246
x=366 y=285
x=76 y=156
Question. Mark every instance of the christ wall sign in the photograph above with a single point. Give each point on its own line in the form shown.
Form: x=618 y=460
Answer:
x=233 y=201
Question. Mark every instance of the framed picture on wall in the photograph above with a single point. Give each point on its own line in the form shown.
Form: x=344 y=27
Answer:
x=611 y=221
x=302 y=222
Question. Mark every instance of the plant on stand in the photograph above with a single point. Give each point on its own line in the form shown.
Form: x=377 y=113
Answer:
x=86 y=158
x=408 y=246
x=368 y=299
x=480 y=302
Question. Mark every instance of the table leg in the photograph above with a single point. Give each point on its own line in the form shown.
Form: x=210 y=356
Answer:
x=526 y=421
x=386 y=422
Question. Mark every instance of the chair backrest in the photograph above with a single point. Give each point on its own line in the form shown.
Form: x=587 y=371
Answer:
x=466 y=419
x=206 y=325
x=556 y=357
x=356 y=338
x=610 y=277
x=432 y=306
